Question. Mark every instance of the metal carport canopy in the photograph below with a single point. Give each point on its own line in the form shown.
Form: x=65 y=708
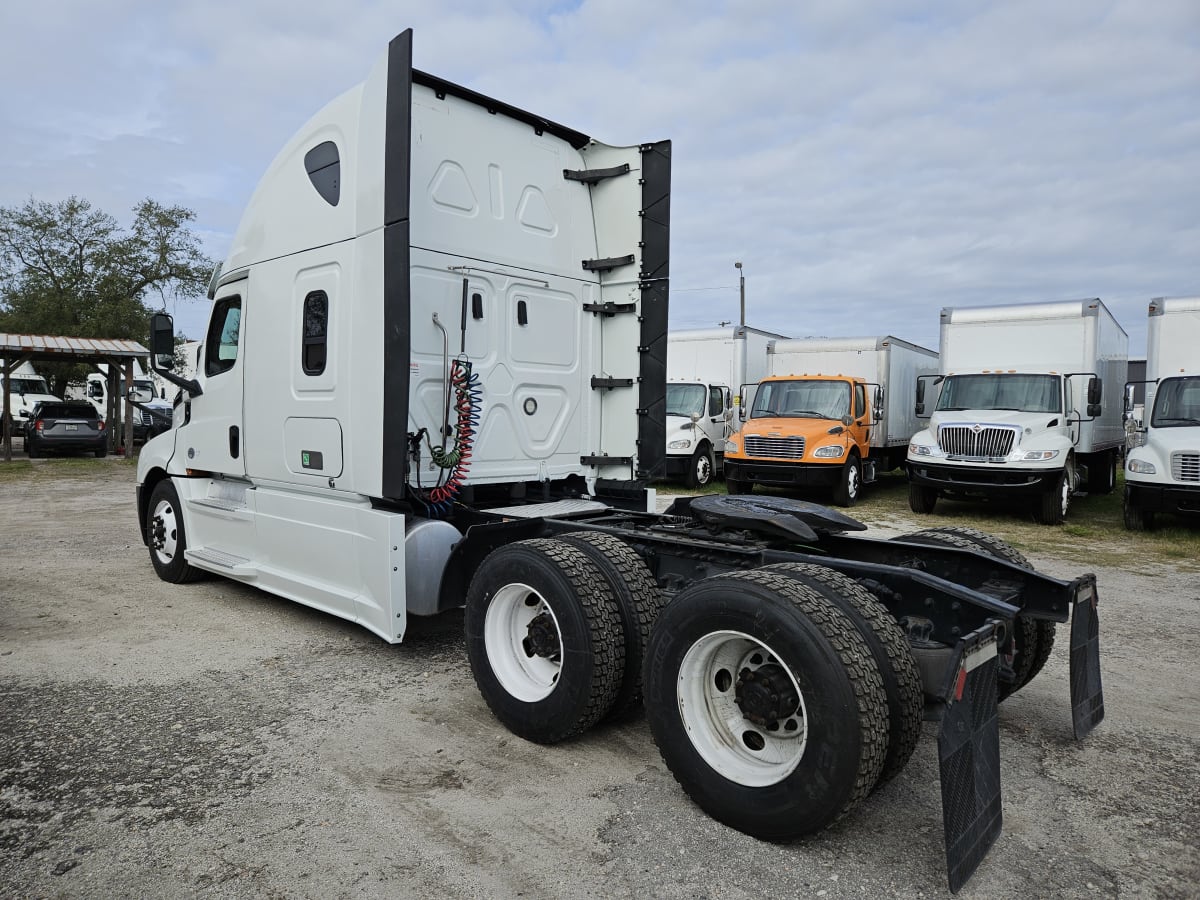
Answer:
x=19 y=348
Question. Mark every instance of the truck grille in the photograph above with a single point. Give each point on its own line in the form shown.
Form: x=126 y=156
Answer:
x=146 y=418
x=1185 y=466
x=976 y=442
x=776 y=447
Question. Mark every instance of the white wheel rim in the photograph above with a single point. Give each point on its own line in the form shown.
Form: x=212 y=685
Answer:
x=166 y=541
x=1066 y=493
x=524 y=675
x=702 y=470
x=852 y=481
x=736 y=748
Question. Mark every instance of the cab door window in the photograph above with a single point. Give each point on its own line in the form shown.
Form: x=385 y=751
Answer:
x=860 y=401
x=716 y=401
x=224 y=333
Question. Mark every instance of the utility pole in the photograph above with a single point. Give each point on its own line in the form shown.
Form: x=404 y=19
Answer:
x=741 y=290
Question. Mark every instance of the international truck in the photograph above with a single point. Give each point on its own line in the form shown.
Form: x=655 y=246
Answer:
x=1162 y=463
x=434 y=377
x=834 y=412
x=706 y=371
x=1022 y=414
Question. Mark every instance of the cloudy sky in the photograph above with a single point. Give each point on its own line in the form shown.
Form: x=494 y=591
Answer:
x=868 y=162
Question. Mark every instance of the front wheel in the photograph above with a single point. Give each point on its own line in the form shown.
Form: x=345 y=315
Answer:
x=700 y=470
x=168 y=541
x=849 y=484
x=1052 y=505
x=1136 y=518
x=921 y=499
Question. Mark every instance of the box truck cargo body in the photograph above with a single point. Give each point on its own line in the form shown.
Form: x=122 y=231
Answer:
x=1027 y=406
x=1162 y=465
x=706 y=371
x=834 y=412
x=434 y=376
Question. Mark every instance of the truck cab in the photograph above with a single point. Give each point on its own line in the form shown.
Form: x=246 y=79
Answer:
x=803 y=431
x=1162 y=463
x=699 y=419
x=27 y=389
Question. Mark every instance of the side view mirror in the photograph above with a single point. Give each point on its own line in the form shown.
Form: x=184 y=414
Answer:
x=1094 y=392
x=920 y=408
x=1093 y=410
x=25 y=414
x=162 y=340
x=1128 y=405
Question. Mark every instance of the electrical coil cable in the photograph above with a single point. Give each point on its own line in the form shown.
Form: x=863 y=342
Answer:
x=468 y=395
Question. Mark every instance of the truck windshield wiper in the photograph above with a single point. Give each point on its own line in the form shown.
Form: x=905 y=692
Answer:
x=805 y=414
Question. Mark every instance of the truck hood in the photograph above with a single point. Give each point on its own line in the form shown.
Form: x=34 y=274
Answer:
x=1172 y=440
x=1034 y=421
x=788 y=426
x=29 y=401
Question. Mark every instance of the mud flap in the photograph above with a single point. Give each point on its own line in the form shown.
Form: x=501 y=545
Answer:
x=969 y=758
x=1087 y=693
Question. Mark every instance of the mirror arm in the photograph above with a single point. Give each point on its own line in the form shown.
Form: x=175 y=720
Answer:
x=188 y=384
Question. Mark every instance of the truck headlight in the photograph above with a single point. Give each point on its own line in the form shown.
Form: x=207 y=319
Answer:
x=1141 y=467
x=731 y=445
x=833 y=451
x=920 y=450
x=1040 y=454
x=680 y=445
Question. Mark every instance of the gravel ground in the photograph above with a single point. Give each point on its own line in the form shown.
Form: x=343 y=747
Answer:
x=214 y=740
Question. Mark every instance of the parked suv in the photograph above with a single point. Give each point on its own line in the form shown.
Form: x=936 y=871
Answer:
x=65 y=426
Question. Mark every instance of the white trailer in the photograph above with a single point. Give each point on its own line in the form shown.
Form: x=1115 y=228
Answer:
x=1022 y=409
x=434 y=376
x=1162 y=466
x=707 y=368
x=887 y=364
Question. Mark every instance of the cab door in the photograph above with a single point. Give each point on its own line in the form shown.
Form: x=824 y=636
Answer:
x=212 y=440
x=860 y=430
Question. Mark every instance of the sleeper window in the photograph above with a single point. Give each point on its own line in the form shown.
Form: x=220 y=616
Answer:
x=316 y=333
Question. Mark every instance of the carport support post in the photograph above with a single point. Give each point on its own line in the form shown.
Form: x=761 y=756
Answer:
x=6 y=419
x=110 y=414
x=128 y=408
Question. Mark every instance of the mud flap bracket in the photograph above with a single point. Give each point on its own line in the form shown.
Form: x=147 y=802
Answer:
x=969 y=757
x=1087 y=693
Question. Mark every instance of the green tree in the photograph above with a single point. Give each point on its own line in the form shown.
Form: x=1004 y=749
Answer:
x=70 y=269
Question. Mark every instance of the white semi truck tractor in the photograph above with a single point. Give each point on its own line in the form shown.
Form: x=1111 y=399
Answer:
x=434 y=377
x=1022 y=412
x=1162 y=464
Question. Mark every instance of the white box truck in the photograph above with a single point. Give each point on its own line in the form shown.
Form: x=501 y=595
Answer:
x=834 y=412
x=707 y=368
x=434 y=377
x=153 y=413
x=1162 y=463
x=1022 y=409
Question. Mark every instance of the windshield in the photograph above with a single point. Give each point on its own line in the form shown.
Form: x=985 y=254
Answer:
x=1022 y=393
x=685 y=400
x=1177 y=403
x=27 y=385
x=802 y=400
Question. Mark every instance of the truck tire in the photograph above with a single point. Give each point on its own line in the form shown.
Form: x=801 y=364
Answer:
x=544 y=639
x=921 y=499
x=166 y=536
x=1102 y=476
x=1051 y=506
x=1136 y=518
x=849 y=483
x=640 y=602
x=888 y=644
x=765 y=703
x=700 y=469
x=1033 y=639
x=737 y=486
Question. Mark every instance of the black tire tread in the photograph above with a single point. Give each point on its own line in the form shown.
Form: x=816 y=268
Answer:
x=897 y=668
x=606 y=637
x=861 y=669
x=187 y=573
x=640 y=601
